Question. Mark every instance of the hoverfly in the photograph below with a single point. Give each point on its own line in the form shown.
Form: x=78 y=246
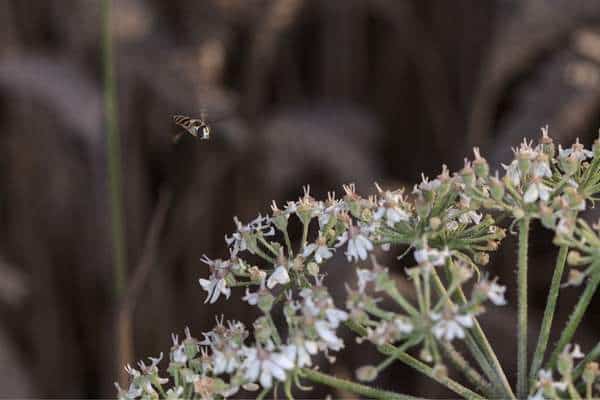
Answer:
x=197 y=127
x=191 y=126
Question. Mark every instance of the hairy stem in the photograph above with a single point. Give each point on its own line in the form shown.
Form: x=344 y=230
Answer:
x=349 y=386
x=576 y=316
x=544 y=335
x=467 y=370
x=522 y=309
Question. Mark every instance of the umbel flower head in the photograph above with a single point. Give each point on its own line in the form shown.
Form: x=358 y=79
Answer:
x=421 y=309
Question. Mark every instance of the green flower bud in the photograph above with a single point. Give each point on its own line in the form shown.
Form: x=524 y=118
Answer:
x=564 y=365
x=265 y=301
x=591 y=372
x=496 y=189
x=569 y=165
x=518 y=213
x=313 y=268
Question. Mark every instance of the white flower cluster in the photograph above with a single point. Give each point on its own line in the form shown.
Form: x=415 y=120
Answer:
x=449 y=224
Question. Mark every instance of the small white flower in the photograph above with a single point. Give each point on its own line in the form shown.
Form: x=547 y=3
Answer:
x=320 y=250
x=214 y=288
x=279 y=277
x=541 y=168
x=575 y=353
x=300 y=352
x=364 y=277
x=545 y=379
x=450 y=326
x=225 y=361
x=359 y=244
x=263 y=365
x=327 y=333
x=179 y=355
x=576 y=151
x=513 y=172
x=133 y=392
x=496 y=294
x=216 y=284
x=433 y=256
x=335 y=316
x=251 y=298
x=536 y=190
x=389 y=208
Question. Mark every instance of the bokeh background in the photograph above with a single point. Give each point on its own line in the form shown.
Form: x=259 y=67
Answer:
x=319 y=92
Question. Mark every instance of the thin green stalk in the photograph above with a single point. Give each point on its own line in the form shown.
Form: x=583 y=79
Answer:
x=476 y=344
x=401 y=301
x=288 y=244
x=423 y=368
x=576 y=316
x=544 y=335
x=522 y=309
x=430 y=372
x=114 y=155
x=349 y=386
x=467 y=370
x=487 y=349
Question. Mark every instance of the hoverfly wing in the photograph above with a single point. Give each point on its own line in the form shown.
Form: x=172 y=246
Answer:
x=187 y=123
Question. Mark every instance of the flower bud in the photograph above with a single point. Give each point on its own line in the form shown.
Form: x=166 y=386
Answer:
x=421 y=206
x=440 y=371
x=496 y=189
x=564 y=365
x=366 y=373
x=250 y=387
x=468 y=175
x=524 y=164
x=518 y=213
x=482 y=258
x=547 y=216
x=435 y=223
x=576 y=277
x=547 y=144
x=596 y=147
x=590 y=372
x=265 y=301
x=574 y=258
x=569 y=165
x=480 y=165
x=313 y=268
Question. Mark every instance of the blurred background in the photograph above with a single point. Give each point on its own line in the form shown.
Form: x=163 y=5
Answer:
x=319 y=92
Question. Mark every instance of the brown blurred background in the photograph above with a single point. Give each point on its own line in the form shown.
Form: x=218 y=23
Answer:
x=319 y=92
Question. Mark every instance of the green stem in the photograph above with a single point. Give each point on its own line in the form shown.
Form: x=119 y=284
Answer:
x=288 y=244
x=477 y=343
x=423 y=368
x=393 y=292
x=576 y=316
x=342 y=384
x=304 y=237
x=468 y=371
x=487 y=349
x=544 y=335
x=522 y=309
x=114 y=154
